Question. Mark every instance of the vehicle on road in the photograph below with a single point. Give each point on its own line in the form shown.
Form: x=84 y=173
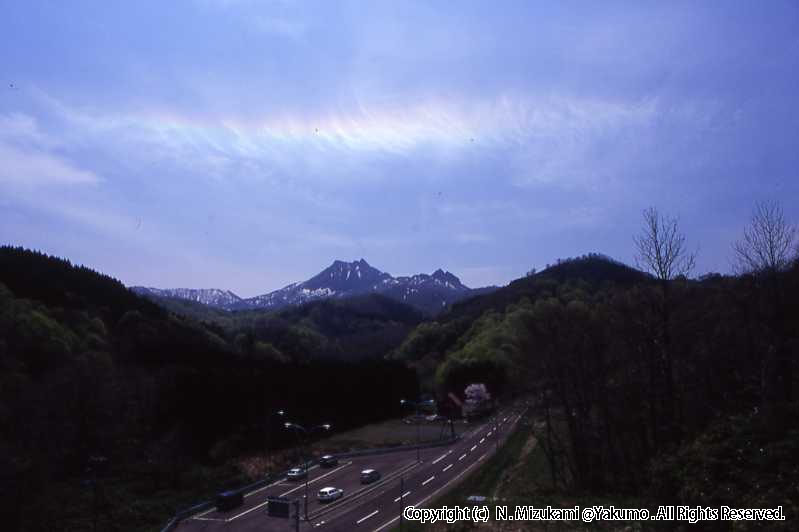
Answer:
x=227 y=500
x=329 y=494
x=328 y=461
x=369 y=475
x=296 y=473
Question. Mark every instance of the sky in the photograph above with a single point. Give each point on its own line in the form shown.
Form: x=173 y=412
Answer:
x=245 y=145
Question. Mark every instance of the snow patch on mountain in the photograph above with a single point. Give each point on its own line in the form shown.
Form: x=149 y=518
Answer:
x=430 y=293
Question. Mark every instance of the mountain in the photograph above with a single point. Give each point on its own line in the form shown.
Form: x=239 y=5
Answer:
x=212 y=297
x=89 y=369
x=428 y=293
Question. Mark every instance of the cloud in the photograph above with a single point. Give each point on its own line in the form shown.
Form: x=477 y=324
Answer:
x=28 y=157
x=34 y=168
x=547 y=139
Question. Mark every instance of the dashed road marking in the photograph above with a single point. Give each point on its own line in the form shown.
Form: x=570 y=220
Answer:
x=402 y=496
x=362 y=519
x=311 y=481
x=428 y=480
x=450 y=465
x=462 y=457
x=437 y=460
x=473 y=448
x=482 y=440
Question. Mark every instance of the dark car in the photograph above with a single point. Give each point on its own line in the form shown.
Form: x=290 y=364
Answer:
x=328 y=460
x=369 y=475
x=227 y=500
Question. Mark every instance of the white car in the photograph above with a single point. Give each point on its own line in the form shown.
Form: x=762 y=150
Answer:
x=329 y=494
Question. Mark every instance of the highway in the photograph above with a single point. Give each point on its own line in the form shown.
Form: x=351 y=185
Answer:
x=372 y=507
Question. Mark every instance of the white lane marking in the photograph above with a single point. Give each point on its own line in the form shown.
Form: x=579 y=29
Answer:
x=402 y=496
x=198 y=516
x=450 y=465
x=362 y=519
x=320 y=523
x=263 y=488
x=428 y=480
x=420 y=503
x=311 y=481
x=490 y=433
x=473 y=448
x=381 y=487
x=462 y=457
x=481 y=441
x=302 y=485
x=437 y=460
x=484 y=455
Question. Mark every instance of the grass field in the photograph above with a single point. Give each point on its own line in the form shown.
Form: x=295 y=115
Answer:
x=386 y=434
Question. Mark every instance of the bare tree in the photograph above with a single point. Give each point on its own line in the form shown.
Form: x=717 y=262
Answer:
x=662 y=252
x=661 y=247
x=766 y=249
x=768 y=241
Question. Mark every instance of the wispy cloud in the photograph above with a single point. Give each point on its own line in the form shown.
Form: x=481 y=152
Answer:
x=549 y=139
x=281 y=133
x=34 y=168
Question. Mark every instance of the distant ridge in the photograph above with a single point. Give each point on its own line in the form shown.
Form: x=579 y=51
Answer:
x=428 y=293
x=592 y=268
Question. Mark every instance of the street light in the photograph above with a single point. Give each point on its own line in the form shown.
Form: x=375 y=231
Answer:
x=269 y=442
x=306 y=432
x=415 y=405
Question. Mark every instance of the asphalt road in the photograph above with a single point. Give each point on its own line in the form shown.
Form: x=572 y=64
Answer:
x=373 y=507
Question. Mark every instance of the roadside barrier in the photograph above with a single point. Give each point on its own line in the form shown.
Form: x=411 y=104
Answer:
x=207 y=505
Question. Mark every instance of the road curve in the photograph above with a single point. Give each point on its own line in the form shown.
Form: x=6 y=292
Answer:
x=375 y=507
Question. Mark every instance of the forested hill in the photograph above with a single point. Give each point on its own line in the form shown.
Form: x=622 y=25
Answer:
x=681 y=391
x=356 y=328
x=57 y=282
x=427 y=347
x=593 y=269
x=88 y=368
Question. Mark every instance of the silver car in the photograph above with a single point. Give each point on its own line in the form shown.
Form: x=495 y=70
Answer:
x=297 y=473
x=329 y=494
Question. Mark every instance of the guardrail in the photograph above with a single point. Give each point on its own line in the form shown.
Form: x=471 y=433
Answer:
x=206 y=505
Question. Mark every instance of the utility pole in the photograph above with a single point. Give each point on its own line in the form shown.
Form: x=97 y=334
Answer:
x=416 y=405
x=306 y=433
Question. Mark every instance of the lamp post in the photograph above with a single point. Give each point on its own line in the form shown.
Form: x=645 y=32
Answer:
x=415 y=405
x=269 y=442
x=306 y=433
